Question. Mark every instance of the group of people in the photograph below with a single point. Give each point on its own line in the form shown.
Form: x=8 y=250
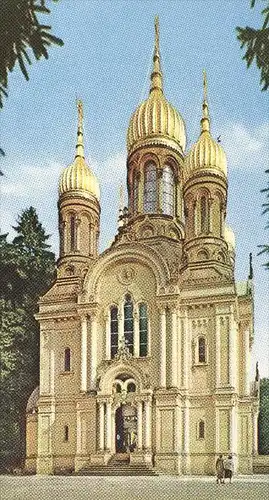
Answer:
x=224 y=469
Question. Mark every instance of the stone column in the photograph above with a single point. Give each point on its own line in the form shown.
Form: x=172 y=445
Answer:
x=101 y=426
x=84 y=346
x=179 y=354
x=177 y=429
x=174 y=349
x=93 y=365
x=232 y=360
x=163 y=348
x=186 y=431
x=186 y=352
x=139 y=425
x=78 y=433
x=136 y=334
x=233 y=430
x=113 y=432
x=147 y=425
x=217 y=437
x=255 y=433
x=217 y=353
x=246 y=364
x=108 y=426
x=108 y=336
x=52 y=371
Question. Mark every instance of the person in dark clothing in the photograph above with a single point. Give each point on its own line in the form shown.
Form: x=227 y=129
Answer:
x=229 y=468
x=220 y=470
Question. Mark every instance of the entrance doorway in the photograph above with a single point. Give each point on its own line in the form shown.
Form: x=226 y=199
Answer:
x=126 y=428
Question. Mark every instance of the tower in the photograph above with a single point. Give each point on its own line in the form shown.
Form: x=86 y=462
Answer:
x=205 y=200
x=79 y=211
x=155 y=142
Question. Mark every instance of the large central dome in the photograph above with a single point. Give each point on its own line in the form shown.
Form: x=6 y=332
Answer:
x=156 y=121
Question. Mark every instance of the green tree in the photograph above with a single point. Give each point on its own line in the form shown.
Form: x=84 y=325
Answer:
x=21 y=30
x=257 y=45
x=27 y=270
x=264 y=417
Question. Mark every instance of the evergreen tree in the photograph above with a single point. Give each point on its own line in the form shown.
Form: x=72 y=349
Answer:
x=21 y=30
x=264 y=417
x=257 y=45
x=27 y=268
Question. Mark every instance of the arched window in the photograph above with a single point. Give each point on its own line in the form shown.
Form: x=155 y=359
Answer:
x=168 y=190
x=66 y=433
x=136 y=193
x=131 y=387
x=67 y=360
x=114 y=329
x=201 y=430
x=72 y=232
x=143 y=330
x=129 y=323
x=204 y=215
x=150 y=188
x=201 y=350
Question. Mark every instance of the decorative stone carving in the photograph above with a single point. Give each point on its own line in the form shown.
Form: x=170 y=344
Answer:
x=123 y=353
x=126 y=275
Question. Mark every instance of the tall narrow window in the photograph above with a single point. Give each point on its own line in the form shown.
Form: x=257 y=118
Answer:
x=129 y=323
x=66 y=433
x=67 y=359
x=143 y=330
x=136 y=191
x=201 y=350
x=114 y=331
x=72 y=232
x=150 y=188
x=204 y=215
x=168 y=190
x=201 y=430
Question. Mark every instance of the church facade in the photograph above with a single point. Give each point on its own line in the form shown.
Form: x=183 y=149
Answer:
x=145 y=348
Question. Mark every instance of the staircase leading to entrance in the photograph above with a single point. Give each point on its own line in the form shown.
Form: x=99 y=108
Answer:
x=119 y=465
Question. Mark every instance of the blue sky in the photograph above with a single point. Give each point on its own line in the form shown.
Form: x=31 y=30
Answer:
x=106 y=61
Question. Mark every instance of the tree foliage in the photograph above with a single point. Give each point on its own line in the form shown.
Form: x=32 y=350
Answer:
x=21 y=30
x=256 y=42
x=264 y=417
x=26 y=272
x=265 y=248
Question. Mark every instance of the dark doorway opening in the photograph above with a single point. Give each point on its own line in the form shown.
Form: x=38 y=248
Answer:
x=126 y=429
x=120 y=447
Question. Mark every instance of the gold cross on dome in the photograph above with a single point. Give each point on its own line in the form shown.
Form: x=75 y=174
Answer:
x=205 y=84
x=80 y=112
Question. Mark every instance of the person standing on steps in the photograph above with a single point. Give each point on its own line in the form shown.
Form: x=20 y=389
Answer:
x=220 y=470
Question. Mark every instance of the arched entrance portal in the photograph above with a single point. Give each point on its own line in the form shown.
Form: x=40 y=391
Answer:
x=126 y=428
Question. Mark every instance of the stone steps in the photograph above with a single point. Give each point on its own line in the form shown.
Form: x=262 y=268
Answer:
x=116 y=470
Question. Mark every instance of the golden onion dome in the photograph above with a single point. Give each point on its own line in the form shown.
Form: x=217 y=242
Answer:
x=206 y=154
x=78 y=177
x=229 y=237
x=156 y=121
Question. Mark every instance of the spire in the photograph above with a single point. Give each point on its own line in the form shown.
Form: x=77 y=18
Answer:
x=250 y=275
x=205 y=121
x=156 y=75
x=80 y=143
x=120 y=220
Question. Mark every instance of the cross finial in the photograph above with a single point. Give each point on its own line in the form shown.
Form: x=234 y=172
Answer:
x=157 y=34
x=205 y=84
x=80 y=112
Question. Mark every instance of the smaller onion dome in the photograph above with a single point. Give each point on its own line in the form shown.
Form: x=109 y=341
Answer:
x=156 y=121
x=32 y=401
x=78 y=177
x=229 y=237
x=206 y=154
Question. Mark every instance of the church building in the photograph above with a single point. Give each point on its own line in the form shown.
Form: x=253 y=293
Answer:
x=145 y=348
